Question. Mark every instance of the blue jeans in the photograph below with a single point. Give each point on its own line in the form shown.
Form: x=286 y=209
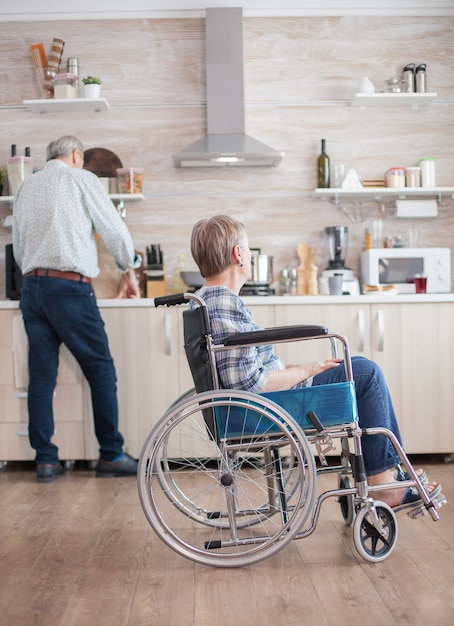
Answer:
x=375 y=408
x=57 y=311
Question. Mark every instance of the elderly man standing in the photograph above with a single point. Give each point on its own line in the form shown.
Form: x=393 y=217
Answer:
x=57 y=213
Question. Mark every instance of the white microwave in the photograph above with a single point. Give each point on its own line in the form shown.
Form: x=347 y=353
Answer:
x=397 y=266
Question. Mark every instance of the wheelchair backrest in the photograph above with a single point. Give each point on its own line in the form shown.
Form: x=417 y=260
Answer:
x=196 y=328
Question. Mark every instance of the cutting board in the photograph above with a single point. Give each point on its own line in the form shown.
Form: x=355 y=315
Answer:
x=102 y=162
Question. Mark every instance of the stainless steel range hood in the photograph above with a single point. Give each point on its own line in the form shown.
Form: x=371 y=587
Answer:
x=225 y=143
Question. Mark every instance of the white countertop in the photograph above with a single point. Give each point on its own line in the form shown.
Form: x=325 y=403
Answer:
x=271 y=300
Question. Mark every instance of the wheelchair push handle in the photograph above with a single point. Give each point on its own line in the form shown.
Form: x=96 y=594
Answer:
x=172 y=300
x=177 y=298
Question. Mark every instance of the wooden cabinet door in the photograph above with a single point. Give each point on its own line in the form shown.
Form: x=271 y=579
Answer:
x=351 y=320
x=413 y=345
x=147 y=350
x=68 y=403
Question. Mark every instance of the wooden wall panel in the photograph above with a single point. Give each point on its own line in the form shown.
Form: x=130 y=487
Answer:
x=300 y=74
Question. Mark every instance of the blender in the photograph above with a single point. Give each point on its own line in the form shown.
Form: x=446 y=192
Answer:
x=336 y=238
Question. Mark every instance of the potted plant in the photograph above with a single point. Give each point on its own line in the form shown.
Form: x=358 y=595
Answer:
x=92 y=86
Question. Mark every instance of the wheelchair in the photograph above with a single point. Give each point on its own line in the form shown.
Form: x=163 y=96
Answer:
x=227 y=478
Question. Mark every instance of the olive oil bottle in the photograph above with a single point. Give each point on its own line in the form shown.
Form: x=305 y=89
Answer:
x=323 y=168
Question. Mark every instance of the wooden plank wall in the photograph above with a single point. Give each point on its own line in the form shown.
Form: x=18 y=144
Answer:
x=300 y=74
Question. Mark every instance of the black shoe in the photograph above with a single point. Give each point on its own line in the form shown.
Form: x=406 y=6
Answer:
x=126 y=466
x=47 y=472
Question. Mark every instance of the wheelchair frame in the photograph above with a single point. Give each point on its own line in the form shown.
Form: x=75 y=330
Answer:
x=228 y=478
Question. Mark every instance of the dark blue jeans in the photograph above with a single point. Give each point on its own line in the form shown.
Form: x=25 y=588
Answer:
x=57 y=311
x=375 y=409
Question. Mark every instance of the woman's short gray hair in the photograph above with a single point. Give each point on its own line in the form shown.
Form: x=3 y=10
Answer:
x=212 y=243
x=63 y=147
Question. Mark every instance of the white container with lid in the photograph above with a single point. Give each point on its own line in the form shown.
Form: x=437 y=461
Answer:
x=413 y=177
x=65 y=85
x=19 y=168
x=428 y=177
x=395 y=177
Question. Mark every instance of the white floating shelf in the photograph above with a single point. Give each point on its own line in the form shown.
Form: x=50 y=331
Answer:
x=381 y=193
x=392 y=99
x=49 y=105
x=126 y=197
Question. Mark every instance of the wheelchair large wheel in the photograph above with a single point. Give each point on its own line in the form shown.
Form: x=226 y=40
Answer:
x=226 y=501
x=192 y=509
x=370 y=543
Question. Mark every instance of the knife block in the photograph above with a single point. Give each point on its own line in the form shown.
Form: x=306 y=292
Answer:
x=156 y=288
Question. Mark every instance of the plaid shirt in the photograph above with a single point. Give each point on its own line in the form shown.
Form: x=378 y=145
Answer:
x=246 y=368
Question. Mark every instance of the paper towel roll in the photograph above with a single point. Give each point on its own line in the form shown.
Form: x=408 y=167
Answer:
x=416 y=208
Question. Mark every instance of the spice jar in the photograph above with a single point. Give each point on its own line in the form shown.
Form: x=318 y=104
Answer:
x=395 y=177
x=129 y=180
x=413 y=177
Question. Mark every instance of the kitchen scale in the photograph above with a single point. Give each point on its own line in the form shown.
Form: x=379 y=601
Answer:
x=336 y=240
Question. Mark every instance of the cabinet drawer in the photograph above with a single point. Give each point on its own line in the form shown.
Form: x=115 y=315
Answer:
x=15 y=446
x=68 y=404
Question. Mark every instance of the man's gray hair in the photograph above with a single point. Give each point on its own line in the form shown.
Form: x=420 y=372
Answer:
x=63 y=147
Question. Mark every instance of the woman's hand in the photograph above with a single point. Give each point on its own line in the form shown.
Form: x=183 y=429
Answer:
x=317 y=367
x=291 y=376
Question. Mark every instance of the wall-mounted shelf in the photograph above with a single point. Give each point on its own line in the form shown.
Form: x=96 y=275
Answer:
x=384 y=193
x=126 y=197
x=392 y=99
x=49 y=105
x=117 y=198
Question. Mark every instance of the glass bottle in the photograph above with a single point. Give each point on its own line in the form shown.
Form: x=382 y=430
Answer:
x=323 y=163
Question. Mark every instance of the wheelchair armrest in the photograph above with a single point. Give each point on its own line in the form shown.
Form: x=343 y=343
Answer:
x=279 y=333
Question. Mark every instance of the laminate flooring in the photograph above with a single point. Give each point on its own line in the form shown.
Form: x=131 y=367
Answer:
x=79 y=551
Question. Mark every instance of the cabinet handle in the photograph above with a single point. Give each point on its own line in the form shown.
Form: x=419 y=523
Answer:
x=381 y=330
x=361 y=330
x=168 y=334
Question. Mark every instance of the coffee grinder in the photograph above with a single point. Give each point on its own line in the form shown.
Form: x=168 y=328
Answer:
x=336 y=239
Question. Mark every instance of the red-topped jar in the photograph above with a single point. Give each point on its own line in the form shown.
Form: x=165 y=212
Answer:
x=395 y=177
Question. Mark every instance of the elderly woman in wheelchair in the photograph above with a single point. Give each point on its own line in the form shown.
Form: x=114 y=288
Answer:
x=251 y=463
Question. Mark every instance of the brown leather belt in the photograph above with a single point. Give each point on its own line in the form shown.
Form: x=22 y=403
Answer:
x=58 y=274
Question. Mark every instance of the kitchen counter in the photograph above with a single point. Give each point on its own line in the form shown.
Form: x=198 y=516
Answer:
x=271 y=300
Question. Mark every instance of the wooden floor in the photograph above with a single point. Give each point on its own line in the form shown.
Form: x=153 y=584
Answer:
x=80 y=552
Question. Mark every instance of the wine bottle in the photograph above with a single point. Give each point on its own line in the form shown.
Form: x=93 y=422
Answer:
x=323 y=168
x=27 y=151
x=13 y=150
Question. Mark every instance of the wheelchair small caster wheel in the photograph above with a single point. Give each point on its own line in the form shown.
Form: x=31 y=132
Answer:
x=375 y=542
x=347 y=503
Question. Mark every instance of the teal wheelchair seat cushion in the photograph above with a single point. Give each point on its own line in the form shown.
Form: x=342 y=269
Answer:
x=333 y=404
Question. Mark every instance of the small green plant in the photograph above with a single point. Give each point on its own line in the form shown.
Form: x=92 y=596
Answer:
x=91 y=80
x=1 y=176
